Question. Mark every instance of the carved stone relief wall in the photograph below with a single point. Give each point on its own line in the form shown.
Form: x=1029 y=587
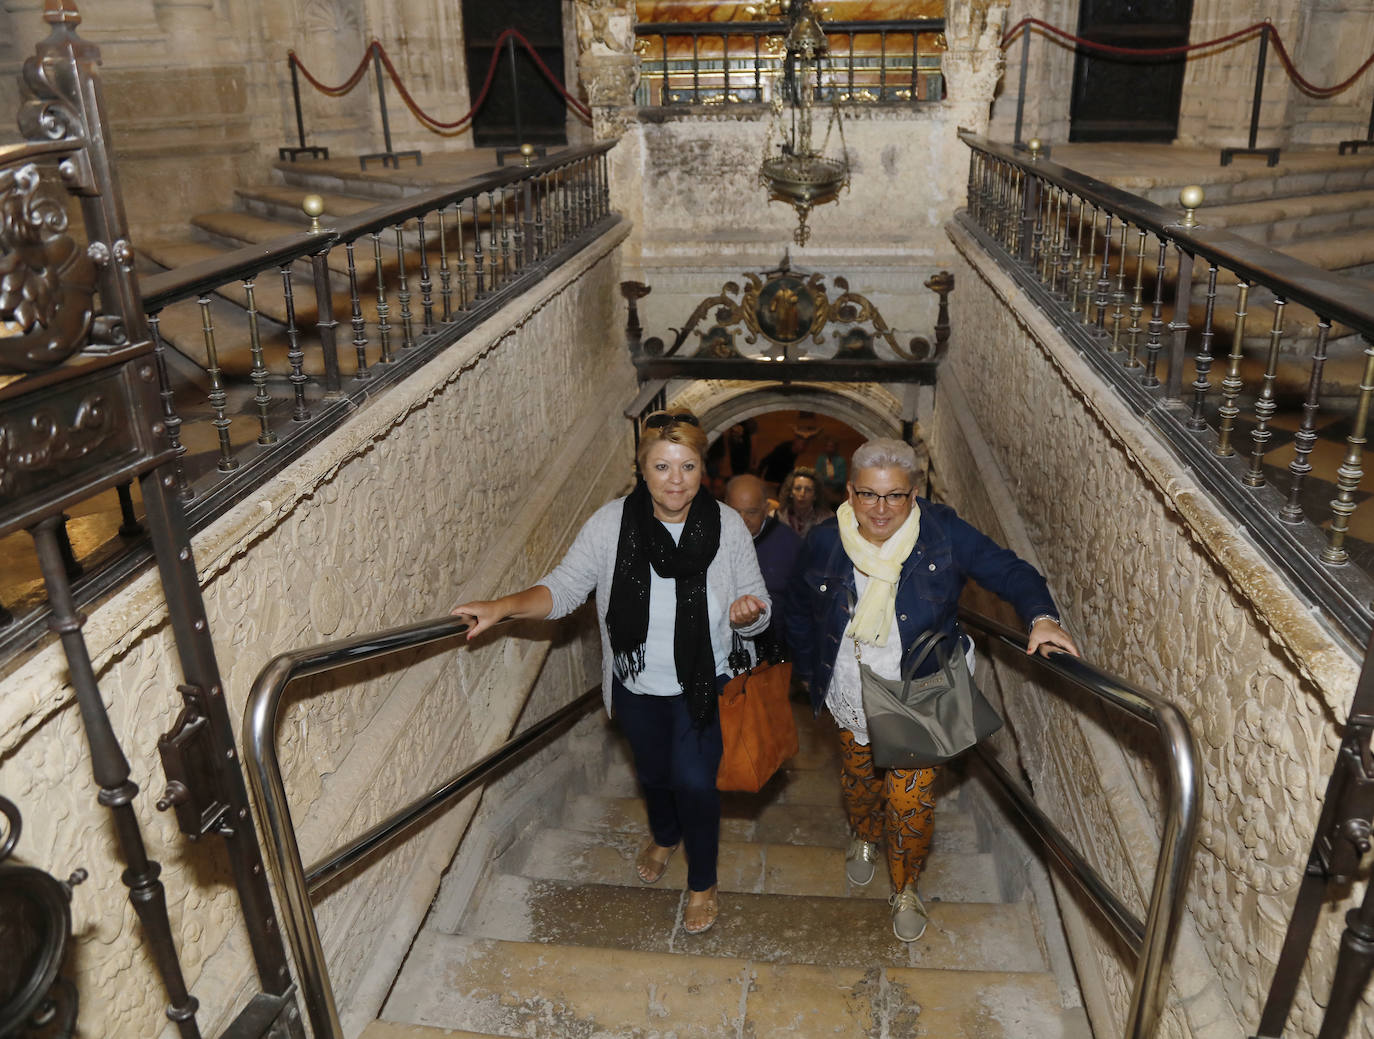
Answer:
x=1159 y=589
x=467 y=480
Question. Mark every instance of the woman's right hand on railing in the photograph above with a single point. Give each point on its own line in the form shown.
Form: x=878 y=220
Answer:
x=481 y=615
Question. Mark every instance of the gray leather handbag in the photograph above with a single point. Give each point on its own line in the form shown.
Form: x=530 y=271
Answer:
x=921 y=722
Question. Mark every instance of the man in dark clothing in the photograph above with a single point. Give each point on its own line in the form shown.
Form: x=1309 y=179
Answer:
x=776 y=544
x=780 y=461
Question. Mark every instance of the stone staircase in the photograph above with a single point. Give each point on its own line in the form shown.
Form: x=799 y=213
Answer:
x=559 y=939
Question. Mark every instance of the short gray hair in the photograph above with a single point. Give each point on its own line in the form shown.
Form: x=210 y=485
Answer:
x=886 y=453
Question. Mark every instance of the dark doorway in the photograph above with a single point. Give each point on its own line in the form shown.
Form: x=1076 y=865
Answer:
x=1119 y=98
x=538 y=118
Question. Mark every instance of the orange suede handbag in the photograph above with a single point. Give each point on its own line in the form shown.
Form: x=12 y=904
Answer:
x=757 y=728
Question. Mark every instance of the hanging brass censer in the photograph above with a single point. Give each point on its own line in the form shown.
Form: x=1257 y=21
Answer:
x=799 y=174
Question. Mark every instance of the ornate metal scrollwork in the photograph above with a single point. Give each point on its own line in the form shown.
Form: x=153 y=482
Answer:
x=788 y=308
x=46 y=437
x=35 y=927
x=46 y=281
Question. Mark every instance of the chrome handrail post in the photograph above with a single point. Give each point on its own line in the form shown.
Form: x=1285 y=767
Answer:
x=283 y=853
x=1172 y=869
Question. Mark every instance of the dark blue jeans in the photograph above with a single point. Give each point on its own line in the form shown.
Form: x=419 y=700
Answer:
x=676 y=765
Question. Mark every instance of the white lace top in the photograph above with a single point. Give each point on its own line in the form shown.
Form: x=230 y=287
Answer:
x=844 y=699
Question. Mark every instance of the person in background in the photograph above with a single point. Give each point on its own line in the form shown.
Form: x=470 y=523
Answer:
x=776 y=545
x=832 y=471
x=777 y=463
x=739 y=445
x=869 y=583
x=673 y=571
x=798 y=506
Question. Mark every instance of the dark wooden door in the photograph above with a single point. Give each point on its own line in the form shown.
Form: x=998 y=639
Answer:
x=1120 y=98
x=540 y=111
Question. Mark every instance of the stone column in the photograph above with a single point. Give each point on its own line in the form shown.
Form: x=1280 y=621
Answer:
x=607 y=63
x=973 y=63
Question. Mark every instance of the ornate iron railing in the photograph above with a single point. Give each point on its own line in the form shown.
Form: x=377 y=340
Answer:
x=681 y=63
x=252 y=365
x=1120 y=277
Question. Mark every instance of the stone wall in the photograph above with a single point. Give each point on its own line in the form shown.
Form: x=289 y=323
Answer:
x=466 y=480
x=199 y=91
x=1158 y=588
x=688 y=176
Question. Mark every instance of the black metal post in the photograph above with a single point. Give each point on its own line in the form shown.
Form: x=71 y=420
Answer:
x=1271 y=154
x=301 y=147
x=1353 y=967
x=129 y=527
x=1021 y=94
x=1355 y=146
x=389 y=157
x=111 y=771
x=325 y=323
x=520 y=141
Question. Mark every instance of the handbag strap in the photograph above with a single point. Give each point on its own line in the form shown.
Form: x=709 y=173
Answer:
x=738 y=660
x=924 y=645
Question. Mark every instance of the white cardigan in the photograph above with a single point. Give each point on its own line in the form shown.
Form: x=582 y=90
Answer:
x=589 y=565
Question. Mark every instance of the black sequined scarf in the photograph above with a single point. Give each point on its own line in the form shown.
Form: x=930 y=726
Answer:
x=645 y=542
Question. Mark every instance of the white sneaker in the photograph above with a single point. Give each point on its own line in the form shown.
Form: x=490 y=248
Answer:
x=908 y=914
x=860 y=861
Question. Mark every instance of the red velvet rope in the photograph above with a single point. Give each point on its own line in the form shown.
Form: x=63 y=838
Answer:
x=410 y=102
x=1303 y=84
x=1143 y=52
x=339 y=91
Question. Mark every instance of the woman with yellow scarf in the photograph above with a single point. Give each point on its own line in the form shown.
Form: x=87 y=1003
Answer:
x=868 y=584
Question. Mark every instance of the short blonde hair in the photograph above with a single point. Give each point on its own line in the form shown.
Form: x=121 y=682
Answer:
x=678 y=426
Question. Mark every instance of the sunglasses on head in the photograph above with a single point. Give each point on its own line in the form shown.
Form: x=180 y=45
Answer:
x=660 y=419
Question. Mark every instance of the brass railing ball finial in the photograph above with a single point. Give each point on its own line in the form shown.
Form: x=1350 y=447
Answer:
x=1191 y=197
x=1033 y=146
x=527 y=151
x=313 y=206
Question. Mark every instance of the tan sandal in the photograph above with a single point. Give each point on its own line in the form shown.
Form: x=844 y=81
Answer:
x=648 y=868
x=699 y=916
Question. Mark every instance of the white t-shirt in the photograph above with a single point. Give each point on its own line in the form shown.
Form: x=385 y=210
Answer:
x=659 y=677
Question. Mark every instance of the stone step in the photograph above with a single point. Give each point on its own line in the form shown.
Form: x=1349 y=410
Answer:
x=1278 y=221
x=524 y=989
x=768 y=823
x=998 y=936
x=761 y=869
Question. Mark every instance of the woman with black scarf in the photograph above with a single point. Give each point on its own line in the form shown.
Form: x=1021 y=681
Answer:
x=674 y=572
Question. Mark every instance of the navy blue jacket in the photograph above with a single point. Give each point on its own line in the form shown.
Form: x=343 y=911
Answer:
x=947 y=553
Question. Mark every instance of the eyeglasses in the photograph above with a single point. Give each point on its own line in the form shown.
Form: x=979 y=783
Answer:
x=893 y=498
x=660 y=419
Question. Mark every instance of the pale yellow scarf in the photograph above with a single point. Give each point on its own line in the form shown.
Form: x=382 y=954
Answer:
x=872 y=620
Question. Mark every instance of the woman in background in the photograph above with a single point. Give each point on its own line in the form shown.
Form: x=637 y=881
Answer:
x=798 y=501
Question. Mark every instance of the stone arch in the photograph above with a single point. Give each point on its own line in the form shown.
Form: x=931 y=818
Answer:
x=869 y=408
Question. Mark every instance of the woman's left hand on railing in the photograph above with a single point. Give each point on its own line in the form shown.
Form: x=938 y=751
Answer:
x=1047 y=635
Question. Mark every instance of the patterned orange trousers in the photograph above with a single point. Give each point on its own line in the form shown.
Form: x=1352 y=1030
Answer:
x=894 y=807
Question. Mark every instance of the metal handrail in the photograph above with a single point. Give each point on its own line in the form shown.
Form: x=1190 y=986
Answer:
x=293 y=881
x=1152 y=942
